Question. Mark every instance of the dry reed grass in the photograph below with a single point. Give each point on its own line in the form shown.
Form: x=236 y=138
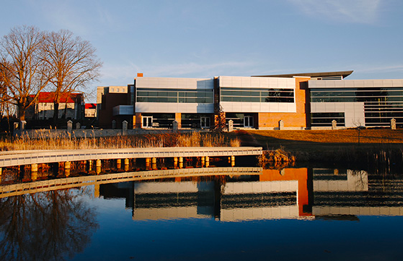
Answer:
x=194 y=139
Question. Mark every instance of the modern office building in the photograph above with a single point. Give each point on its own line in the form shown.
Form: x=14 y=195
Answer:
x=352 y=103
x=287 y=101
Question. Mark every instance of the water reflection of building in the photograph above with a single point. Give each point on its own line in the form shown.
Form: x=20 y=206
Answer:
x=294 y=193
x=277 y=195
x=266 y=196
x=354 y=193
x=172 y=200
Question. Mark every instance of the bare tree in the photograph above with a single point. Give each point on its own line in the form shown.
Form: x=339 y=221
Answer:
x=45 y=226
x=219 y=119
x=6 y=110
x=3 y=94
x=23 y=69
x=73 y=62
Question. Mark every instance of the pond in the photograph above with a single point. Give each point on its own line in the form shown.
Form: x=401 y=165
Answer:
x=294 y=213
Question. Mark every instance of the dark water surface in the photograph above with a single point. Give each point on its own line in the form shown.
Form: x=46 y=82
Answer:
x=293 y=214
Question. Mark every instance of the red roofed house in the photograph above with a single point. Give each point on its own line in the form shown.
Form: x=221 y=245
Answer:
x=90 y=110
x=71 y=106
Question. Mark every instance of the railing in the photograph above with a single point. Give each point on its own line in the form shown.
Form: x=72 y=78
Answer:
x=52 y=156
x=64 y=183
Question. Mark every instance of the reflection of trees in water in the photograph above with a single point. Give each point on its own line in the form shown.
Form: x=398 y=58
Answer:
x=362 y=178
x=45 y=226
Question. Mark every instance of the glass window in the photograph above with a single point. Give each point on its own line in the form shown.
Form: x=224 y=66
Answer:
x=257 y=95
x=175 y=95
x=325 y=119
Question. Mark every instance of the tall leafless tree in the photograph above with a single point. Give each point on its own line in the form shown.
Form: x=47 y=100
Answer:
x=23 y=68
x=6 y=110
x=3 y=94
x=45 y=226
x=73 y=62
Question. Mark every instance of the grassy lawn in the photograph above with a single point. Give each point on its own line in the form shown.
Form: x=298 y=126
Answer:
x=323 y=140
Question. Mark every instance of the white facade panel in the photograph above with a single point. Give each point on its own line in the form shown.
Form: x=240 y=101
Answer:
x=317 y=107
x=174 y=83
x=259 y=213
x=356 y=181
x=256 y=82
x=232 y=188
x=165 y=187
x=258 y=107
x=353 y=111
x=368 y=84
x=226 y=81
x=387 y=83
x=341 y=106
x=260 y=83
x=397 y=83
x=283 y=107
x=246 y=82
x=292 y=107
x=349 y=84
x=355 y=83
x=312 y=83
x=255 y=106
x=330 y=107
x=167 y=213
x=330 y=84
x=273 y=107
x=271 y=81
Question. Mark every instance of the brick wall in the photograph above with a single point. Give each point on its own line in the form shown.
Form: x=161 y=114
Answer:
x=298 y=120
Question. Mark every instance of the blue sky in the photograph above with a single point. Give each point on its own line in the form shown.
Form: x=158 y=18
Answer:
x=189 y=38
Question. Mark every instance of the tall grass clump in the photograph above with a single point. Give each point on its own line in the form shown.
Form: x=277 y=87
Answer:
x=46 y=141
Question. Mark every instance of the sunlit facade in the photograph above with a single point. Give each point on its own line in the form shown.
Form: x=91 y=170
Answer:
x=267 y=102
x=291 y=193
x=353 y=103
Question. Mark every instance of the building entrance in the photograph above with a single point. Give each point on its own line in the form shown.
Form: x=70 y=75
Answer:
x=147 y=122
x=205 y=122
x=248 y=121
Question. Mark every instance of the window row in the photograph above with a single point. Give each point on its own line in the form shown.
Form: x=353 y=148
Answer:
x=355 y=99
x=384 y=109
x=256 y=99
x=382 y=121
x=384 y=105
x=382 y=89
x=357 y=94
x=175 y=95
x=174 y=100
x=325 y=119
x=257 y=95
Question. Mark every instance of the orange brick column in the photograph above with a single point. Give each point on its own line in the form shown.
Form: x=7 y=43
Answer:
x=137 y=121
x=178 y=118
x=301 y=175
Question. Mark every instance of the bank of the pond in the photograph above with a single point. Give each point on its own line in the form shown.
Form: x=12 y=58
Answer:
x=369 y=147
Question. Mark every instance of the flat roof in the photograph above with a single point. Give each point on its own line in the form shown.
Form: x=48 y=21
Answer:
x=312 y=74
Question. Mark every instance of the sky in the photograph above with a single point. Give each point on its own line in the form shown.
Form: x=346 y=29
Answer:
x=203 y=39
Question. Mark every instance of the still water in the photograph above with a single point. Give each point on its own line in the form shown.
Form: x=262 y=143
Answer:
x=295 y=213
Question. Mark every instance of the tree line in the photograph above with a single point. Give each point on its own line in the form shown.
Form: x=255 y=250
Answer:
x=32 y=61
